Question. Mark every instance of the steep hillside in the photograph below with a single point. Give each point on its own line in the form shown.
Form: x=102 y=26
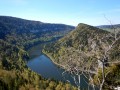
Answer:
x=27 y=33
x=83 y=44
x=16 y=35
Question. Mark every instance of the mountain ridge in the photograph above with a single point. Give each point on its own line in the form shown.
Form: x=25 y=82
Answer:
x=32 y=31
x=16 y=36
x=84 y=49
x=84 y=42
x=110 y=27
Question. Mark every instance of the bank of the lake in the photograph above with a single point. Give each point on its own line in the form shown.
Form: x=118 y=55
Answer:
x=44 y=65
x=53 y=60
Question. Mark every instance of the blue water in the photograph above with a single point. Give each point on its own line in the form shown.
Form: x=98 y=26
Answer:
x=41 y=64
x=45 y=67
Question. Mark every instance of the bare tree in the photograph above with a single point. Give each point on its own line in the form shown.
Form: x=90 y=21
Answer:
x=74 y=70
x=105 y=57
x=90 y=69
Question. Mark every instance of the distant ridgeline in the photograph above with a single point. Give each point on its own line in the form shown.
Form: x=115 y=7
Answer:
x=16 y=35
x=27 y=33
x=84 y=46
x=110 y=27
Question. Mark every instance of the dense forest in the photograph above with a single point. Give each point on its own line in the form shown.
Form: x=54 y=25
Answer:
x=16 y=36
x=74 y=49
x=84 y=48
x=27 y=33
x=84 y=38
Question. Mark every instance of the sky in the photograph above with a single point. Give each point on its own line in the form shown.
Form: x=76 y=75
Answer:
x=71 y=12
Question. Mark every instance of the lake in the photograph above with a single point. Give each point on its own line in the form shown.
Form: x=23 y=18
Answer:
x=41 y=64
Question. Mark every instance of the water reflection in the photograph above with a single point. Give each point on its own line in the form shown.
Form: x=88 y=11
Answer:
x=41 y=64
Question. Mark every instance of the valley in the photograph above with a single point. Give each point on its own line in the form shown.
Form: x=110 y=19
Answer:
x=15 y=39
x=87 y=49
x=32 y=51
x=43 y=65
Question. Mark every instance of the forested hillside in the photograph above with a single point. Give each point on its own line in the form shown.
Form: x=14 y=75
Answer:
x=17 y=35
x=84 y=38
x=27 y=33
x=85 y=48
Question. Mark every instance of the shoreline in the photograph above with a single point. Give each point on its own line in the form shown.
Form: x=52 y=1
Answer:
x=59 y=65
